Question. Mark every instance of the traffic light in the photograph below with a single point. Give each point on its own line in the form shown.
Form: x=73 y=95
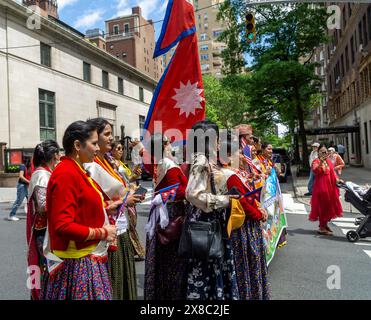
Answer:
x=250 y=27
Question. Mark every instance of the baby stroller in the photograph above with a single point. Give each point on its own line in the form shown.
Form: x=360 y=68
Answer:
x=360 y=198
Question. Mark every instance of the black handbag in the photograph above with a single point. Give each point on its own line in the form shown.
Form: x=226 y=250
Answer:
x=202 y=240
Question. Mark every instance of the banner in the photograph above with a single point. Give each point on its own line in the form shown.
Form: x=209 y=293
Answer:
x=271 y=200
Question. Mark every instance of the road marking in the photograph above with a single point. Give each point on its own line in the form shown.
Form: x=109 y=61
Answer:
x=292 y=207
x=363 y=243
x=345 y=219
x=368 y=252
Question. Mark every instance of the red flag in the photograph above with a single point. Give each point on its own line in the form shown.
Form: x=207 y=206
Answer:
x=179 y=100
x=179 y=22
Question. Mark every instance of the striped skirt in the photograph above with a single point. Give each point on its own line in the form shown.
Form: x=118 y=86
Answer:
x=79 y=279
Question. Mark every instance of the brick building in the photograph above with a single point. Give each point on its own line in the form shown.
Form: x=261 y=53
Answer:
x=132 y=39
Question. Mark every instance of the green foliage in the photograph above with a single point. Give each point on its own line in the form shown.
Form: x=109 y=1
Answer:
x=283 y=82
x=226 y=99
x=12 y=169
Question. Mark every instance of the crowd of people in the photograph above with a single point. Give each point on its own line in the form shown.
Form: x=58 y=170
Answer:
x=81 y=219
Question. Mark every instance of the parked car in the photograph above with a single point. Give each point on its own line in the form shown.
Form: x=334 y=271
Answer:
x=282 y=159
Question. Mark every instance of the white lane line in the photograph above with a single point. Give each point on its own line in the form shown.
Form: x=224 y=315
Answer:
x=344 y=219
x=345 y=224
x=368 y=252
x=363 y=243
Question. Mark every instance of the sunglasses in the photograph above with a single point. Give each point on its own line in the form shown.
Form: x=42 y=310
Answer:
x=119 y=149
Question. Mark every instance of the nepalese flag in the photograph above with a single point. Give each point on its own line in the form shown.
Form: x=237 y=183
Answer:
x=168 y=193
x=179 y=23
x=178 y=101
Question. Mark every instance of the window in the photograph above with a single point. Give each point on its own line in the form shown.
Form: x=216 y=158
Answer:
x=116 y=29
x=141 y=94
x=142 y=120
x=87 y=72
x=344 y=18
x=366 y=137
x=204 y=47
x=204 y=57
x=352 y=48
x=349 y=10
x=120 y=84
x=126 y=28
x=105 y=82
x=205 y=16
x=47 y=115
x=108 y=112
x=217 y=33
x=203 y=36
x=360 y=35
x=45 y=55
x=206 y=26
x=369 y=22
x=205 y=67
x=346 y=58
x=365 y=37
x=342 y=66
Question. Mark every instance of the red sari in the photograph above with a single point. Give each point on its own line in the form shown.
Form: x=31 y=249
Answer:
x=325 y=199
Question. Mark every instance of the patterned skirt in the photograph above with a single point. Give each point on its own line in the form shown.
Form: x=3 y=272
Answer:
x=213 y=279
x=134 y=237
x=165 y=272
x=250 y=262
x=79 y=279
x=121 y=268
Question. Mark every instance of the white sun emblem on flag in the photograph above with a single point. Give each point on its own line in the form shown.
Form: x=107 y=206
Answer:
x=188 y=98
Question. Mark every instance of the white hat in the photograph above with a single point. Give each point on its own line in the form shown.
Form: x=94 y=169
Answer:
x=316 y=144
x=331 y=149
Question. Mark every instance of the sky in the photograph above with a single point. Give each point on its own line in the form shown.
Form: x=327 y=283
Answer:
x=89 y=14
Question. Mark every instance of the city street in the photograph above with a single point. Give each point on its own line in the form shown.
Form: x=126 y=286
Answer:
x=300 y=270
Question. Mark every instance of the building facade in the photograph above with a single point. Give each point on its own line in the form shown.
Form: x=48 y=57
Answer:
x=51 y=76
x=132 y=39
x=208 y=30
x=348 y=73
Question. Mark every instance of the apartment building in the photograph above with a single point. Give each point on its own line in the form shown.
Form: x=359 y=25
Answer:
x=52 y=76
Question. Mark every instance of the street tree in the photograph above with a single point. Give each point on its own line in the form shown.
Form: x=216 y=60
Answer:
x=283 y=78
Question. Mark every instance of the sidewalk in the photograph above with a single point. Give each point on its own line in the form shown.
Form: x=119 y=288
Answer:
x=360 y=176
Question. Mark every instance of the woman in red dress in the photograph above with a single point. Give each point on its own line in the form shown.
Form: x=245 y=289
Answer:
x=325 y=199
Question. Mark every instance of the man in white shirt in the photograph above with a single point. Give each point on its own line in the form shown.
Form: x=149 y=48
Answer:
x=312 y=157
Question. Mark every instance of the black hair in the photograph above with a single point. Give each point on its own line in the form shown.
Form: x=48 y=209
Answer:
x=79 y=130
x=205 y=125
x=99 y=124
x=44 y=152
x=265 y=145
x=322 y=145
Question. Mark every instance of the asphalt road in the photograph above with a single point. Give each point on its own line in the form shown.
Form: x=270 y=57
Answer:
x=298 y=271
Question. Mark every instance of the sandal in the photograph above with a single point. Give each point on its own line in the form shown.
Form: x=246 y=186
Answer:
x=324 y=232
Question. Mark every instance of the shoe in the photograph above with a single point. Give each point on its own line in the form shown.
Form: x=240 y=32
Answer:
x=13 y=218
x=307 y=194
x=324 y=232
x=328 y=229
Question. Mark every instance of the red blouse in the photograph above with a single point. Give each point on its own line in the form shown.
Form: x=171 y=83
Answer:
x=251 y=211
x=73 y=205
x=174 y=176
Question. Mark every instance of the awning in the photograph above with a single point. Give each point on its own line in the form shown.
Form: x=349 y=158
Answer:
x=332 y=130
